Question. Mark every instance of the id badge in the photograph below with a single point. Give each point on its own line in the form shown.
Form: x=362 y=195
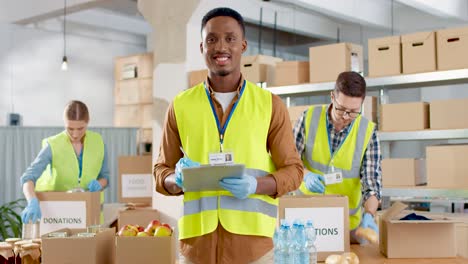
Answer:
x=221 y=158
x=333 y=176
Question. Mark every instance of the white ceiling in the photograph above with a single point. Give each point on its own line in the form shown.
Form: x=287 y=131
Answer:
x=123 y=15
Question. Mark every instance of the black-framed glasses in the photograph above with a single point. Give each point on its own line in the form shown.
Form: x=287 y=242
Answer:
x=342 y=112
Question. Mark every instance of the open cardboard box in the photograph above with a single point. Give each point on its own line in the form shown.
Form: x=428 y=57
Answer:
x=99 y=249
x=416 y=239
x=161 y=250
x=330 y=215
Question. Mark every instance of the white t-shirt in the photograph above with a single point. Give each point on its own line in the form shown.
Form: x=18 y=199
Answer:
x=225 y=99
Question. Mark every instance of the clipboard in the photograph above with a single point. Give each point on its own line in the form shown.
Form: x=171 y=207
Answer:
x=207 y=177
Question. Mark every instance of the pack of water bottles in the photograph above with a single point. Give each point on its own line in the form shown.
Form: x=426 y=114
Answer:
x=294 y=243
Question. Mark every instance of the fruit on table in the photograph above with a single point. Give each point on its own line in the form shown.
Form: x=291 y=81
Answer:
x=345 y=258
x=367 y=234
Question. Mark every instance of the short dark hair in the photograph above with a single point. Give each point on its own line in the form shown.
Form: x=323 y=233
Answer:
x=351 y=84
x=224 y=11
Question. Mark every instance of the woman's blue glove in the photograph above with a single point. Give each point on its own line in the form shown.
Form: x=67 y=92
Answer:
x=369 y=222
x=32 y=212
x=314 y=182
x=94 y=186
x=240 y=187
x=183 y=163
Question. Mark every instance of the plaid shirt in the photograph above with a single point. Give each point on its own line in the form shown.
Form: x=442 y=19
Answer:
x=371 y=173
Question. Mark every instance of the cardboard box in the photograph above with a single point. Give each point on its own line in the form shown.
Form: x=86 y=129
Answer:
x=135 y=91
x=452 y=48
x=447 y=166
x=68 y=210
x=137 y=216
x=418 y=52
x=445 y=114
x=384 y=56
x=295 y=112
x=291 y=72
x=135 y=115
x=403 y=172
x=369 y=108
x=416 y=116
x=330 y=215
x=259 y=68
x=161 y=250
x=141 y=63
x=462 y=239
x=99 y=249
x=327 y=62
x=196 y=77
x=416 y=239
x=135 y=179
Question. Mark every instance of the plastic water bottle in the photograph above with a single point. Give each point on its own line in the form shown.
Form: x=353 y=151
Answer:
x=276 y=246
x=311 y=236
x=284 y=239
x=300 y=252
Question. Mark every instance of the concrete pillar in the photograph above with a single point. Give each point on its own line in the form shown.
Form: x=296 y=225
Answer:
x=169 y=42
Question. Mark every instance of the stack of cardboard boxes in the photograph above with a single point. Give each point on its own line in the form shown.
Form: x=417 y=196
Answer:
x=133 y=96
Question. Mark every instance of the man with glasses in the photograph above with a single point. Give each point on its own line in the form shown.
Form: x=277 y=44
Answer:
x=341 y=152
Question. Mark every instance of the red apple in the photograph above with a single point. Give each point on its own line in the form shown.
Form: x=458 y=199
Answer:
x=168 y=226
x=152 y=226
x=143 y=234
x=162 y=231
x=128 y=230
x=140 y=228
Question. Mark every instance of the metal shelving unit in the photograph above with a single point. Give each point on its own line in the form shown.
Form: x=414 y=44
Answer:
x=377 y=83
x=383 y=84
x=424 y=135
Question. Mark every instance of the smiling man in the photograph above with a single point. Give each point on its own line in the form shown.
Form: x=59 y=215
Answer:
x=341 y=152
x=227 y=117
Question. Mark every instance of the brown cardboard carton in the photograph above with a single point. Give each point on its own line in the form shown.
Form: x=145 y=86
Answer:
x=384 y=56
x=291 y=73
x=462 y=239
x=146 y=115
x=328 y=61
x=134 y=91
x=68 y=210
x=369 y=108
x=134 y=115
x=196 y=77
x=404 y=116
x=137 y=216
x=161 y=250
x=99 y=249
x=447 y=166
x=445 y=114
x=452 y=48
x=259 y=68
x=418 y=52
x=296 y=111
x=416 y=239
x=141 y=63
x=330 y=216
x=403 y=172
x=135 y=184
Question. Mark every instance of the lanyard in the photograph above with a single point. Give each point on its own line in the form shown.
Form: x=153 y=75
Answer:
x=222 y=130
x=341 y=144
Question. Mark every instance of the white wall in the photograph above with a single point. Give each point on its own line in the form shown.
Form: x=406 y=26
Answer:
x=32 y=84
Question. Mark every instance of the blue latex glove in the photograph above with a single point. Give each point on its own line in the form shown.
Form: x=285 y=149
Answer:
x=183 y=163
x=94 y=186
x=240 y=187
x=314 y=182
x=32 y=212
x=369 y=222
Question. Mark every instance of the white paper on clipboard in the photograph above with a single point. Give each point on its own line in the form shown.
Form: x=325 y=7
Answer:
x=207 y=177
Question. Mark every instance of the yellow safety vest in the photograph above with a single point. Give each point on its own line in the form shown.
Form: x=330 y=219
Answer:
x=246 y=136
x=348 y=157
x=63 y=172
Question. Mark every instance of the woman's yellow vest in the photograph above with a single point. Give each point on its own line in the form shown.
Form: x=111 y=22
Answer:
x=245 y=136
x=63 y=172
x=348 y=157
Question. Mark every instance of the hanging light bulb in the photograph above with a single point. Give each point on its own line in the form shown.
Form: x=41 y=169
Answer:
x=64 y=63
x=64 y=58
